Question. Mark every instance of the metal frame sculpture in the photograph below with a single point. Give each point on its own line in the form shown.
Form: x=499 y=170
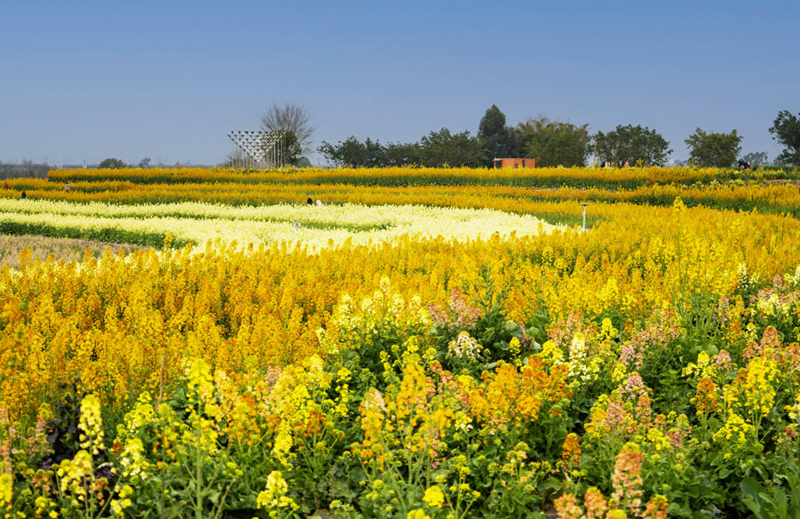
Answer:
x=262 y=150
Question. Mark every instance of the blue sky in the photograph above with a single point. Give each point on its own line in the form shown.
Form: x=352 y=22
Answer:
x=82 y=81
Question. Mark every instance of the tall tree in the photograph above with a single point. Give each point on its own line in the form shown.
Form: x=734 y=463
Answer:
x=376 y=154
x=714 y=150
x=453 y=149
x=292 y=149
x=291 y=118
x=786 y=130
x=632 y=144
x=758 y=158
x=553 y=143
x=498 y=140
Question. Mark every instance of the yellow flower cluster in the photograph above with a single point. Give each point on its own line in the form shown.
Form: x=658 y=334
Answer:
x=111 y=321
x=6 y=490
x=274 y=498
x=91 y=425
x=736 y=431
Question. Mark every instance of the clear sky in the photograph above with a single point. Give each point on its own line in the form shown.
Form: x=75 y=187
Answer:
x=82 y=81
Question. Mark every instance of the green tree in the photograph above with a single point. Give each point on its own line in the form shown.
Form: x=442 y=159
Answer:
x=498 y=140
x=714 y=150
x=632 y=144
x=786 y=130
x=376 y=154
x=351 y=152
x=292 y=148
x=112 y=163
x=758 y=158
x=459 y=149
x=399 y=154
x=553 y=143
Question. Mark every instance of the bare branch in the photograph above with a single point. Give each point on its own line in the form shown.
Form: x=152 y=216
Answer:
x=293 y=118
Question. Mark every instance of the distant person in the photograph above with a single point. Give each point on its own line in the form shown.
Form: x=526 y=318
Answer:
x=744 y=165
x=5 y=184
x=627 y=164
x=319 y=203
x=66 y=187
x=309 y=201
x=23 y=195
x=603 y=164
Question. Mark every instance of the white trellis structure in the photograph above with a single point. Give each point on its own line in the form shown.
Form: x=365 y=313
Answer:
x=259 y=149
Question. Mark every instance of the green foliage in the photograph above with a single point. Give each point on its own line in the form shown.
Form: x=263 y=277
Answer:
x=292 y=148
x=714 y=149
x=786 y=130
x=444 y=148
x=112 y=163
x=772 y=502
x=351 y=152
x=633 y=144
x=553 y=143
x=400 y=154
x=369 y=154
x=498 y=139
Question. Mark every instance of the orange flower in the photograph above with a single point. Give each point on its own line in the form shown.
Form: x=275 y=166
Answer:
x=706 y=400
x=571 y=452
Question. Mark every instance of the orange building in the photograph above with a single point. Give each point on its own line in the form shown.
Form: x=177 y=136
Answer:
x=514 y=163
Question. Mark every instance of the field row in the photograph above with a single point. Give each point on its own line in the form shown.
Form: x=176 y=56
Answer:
x=624 y=178
x=312 y=227
x=560 y=202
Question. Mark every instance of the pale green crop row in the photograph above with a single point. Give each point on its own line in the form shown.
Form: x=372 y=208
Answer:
x=199 y=223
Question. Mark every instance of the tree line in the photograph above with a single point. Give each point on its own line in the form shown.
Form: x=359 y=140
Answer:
x=550 y=142
x=558 y=143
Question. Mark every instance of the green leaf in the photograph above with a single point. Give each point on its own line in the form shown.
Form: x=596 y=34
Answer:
x=513 y=329
x=754 y=497
x=552 y=484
